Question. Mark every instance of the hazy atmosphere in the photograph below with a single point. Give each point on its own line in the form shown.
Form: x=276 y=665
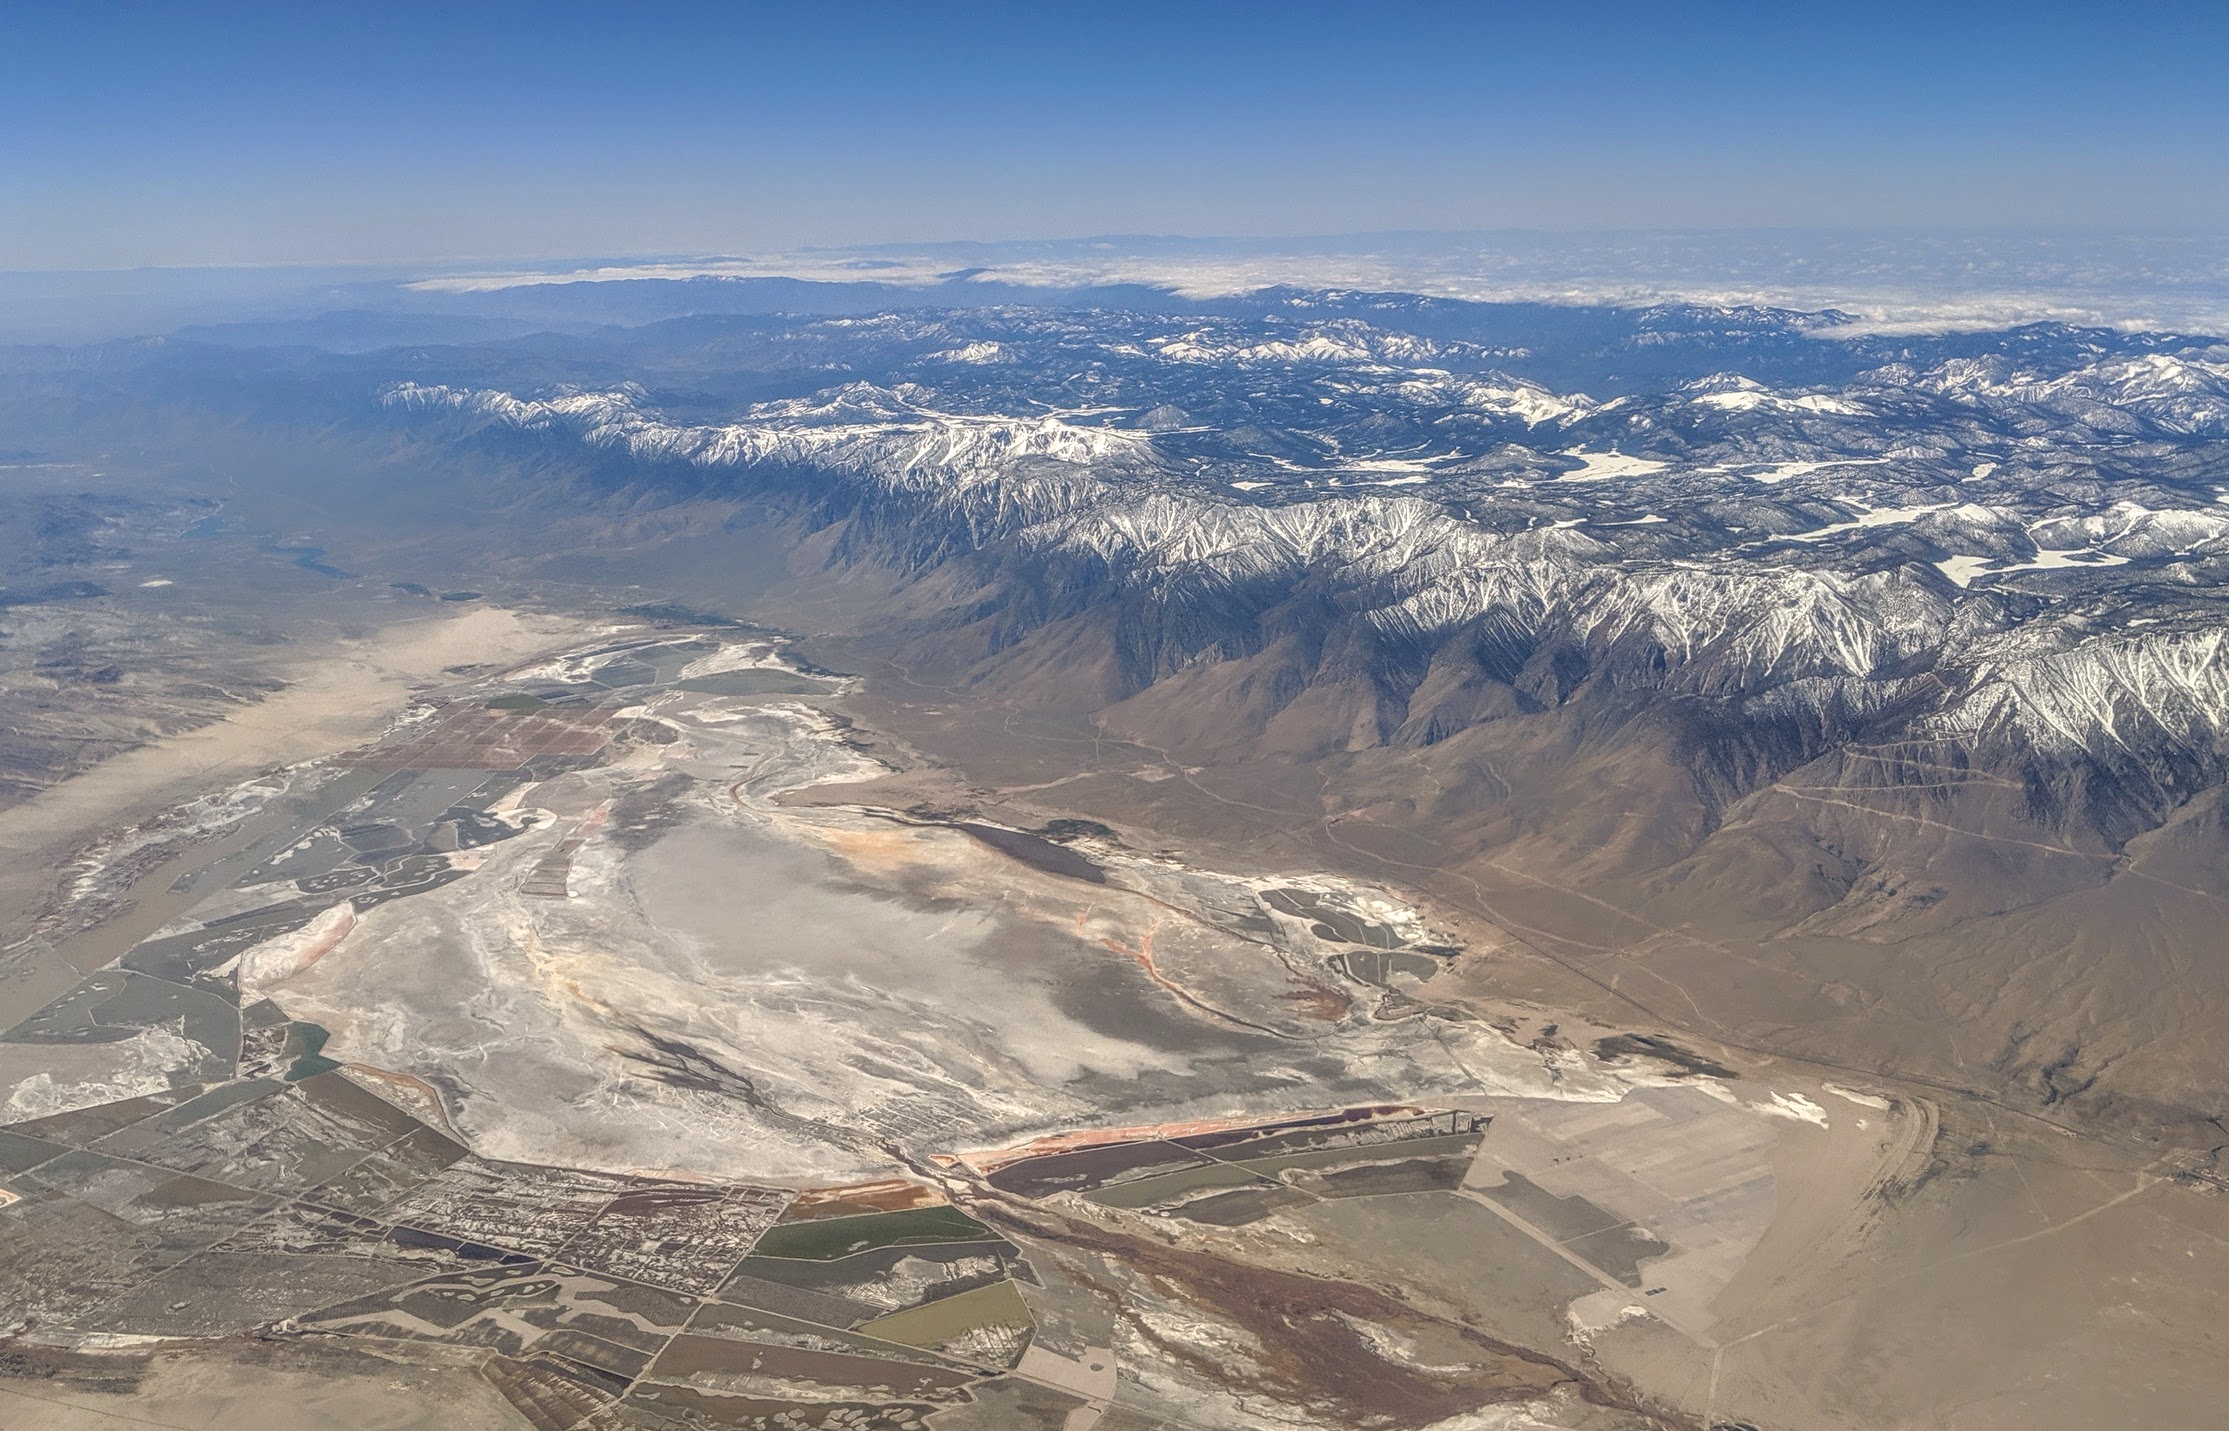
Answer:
x=1210 y=718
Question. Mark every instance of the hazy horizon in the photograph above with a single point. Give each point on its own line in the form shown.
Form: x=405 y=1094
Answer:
x=1912 y=279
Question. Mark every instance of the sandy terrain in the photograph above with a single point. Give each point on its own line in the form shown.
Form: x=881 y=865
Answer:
x=330 y=701
x=256 y=1388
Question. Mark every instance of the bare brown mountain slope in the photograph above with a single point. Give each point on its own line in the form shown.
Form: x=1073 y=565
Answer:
x=1886 y=908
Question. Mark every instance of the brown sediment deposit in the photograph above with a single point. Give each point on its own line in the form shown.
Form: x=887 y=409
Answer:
x=853 y=1199
x=1312 y=1351
x=991 y=1160
x=415 y=1096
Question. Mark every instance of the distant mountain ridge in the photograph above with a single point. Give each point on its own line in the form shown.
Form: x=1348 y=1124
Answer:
x=1831 y=558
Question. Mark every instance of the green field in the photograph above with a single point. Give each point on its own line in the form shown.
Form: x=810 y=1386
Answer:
x=825 y=1239
x=938 y=1323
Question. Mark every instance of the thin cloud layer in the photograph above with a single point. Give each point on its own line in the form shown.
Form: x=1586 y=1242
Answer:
x=1885 y=283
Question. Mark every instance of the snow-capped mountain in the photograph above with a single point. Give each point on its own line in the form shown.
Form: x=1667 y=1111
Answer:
x=1949 y=549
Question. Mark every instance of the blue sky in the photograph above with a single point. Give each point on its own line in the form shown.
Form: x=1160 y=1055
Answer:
x=194 y=134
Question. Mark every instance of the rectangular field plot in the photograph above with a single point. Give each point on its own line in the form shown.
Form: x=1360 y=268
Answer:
x=823 y=1239
x=181 y=1213
x=1175 y=1189
x=888 y=1279
x=1352 y=1128
x=1096 y=1167
x=273 y=1139
x=82 y=1126
x=685 y=1406
x=989 y=1326
x=750 y=1324
x=382 y=1179
x=855 y=1199
x=1228 y=1177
